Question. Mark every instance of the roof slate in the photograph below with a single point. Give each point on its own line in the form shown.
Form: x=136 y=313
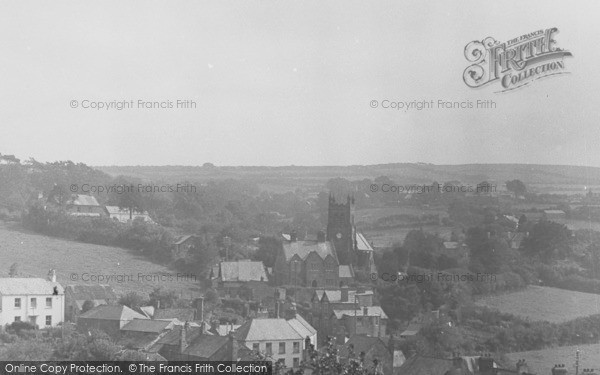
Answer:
x=28 y=286
x=243 y=271
x=304 y=248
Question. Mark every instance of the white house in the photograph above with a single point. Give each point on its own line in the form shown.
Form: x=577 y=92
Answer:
x=34 y=300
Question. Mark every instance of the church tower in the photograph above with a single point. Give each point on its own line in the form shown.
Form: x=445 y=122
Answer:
x=340 y=228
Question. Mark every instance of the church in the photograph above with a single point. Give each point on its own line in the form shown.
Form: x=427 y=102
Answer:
x=328 y=261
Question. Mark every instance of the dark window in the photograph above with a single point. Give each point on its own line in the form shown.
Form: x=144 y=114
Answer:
x=34 y=303
x=269 y=348
x=255 y=347
x=48 y=320
x=282 y=348
x=49 y=302
x=296 y=347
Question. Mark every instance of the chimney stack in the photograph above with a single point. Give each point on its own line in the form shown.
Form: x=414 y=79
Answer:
x=320 y=236
x=344 y=290
x=290 y=313
x=52 y=275
x=183 y=338
x=293 y=236
x=233 y=346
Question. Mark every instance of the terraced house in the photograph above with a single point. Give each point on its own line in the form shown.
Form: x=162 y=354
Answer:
x=35 y=300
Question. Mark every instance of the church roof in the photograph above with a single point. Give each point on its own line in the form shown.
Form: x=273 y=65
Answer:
x=361 y=243
x=304 y=248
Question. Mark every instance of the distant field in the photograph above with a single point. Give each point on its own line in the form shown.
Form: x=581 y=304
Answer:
x=389 y=237
x=370 y=215
x=542 y=361
x=37 y=254
x=580 y=224
x=539 y=303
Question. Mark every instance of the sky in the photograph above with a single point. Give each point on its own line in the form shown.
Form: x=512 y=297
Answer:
x=289 y=83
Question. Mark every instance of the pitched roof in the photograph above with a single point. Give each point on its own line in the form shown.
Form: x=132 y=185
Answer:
x=224 y=329
x=304 y=248
x=267 y=329
x=29 y=286
x=335 y=295
x=84 y=200
x=362 y=243
x=93 y=292
x=418 y=365
x=116 y=210
x=183 y=314
x=370 y=311
x=173 y=337
x=412 y=329
x=111 y=312
x=205 y=346
x=346 y=271
x=146 y=325
x=302 y=326
x=182 y=239
x=243 y=271
x=373 y=347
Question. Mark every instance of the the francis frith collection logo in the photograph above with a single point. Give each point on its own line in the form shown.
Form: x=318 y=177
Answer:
x=514 y=63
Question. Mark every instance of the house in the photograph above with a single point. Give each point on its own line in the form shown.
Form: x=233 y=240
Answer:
x=180 y=314
x=77 y=295
x=514 y=239
x=307 y=263
x=183 y=244
x=370 y=349
x=186 y=343
x=35 y=300
x=304 y=329
x=232 y=275
x=141 y=334
x=274 y=337
x=368 y=320
x=324 y=302
x=345 y=274
x=459 y=365
x=108 y=318
x=124 y=215
x=84 y=205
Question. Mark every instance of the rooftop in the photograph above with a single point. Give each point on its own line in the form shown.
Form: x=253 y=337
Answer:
x=370 y=311
x=111 y=312
x=28 y=286
x=304 y=248
x=267 y=329
x=362 y=244
x=243 y=271
x=147 y=326
x=182 y=314
x=84 y=200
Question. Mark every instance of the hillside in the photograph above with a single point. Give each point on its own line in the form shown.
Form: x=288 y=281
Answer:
x=37 y=254
x=538 y=303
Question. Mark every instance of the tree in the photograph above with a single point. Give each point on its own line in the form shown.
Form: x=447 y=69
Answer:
x=517 y=187
x=87 y=306
x=268 y=249
x=132 y=300
x=548 y=241
x=13 y=271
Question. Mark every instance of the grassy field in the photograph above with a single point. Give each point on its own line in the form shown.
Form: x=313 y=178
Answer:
x=539 y=303
x=542 y=361
x=74 y=261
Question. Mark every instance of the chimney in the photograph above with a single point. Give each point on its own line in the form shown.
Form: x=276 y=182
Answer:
x=52 y=276
x=344 y=290
x=182 y=338
x=214 y=326
x=290 y=313
x=365 y=311
x=293 y=236
x=233 y=346
x=277 y=309
x=486 y=365
x=559 y=370
x=522 y=367
x=320 y=236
